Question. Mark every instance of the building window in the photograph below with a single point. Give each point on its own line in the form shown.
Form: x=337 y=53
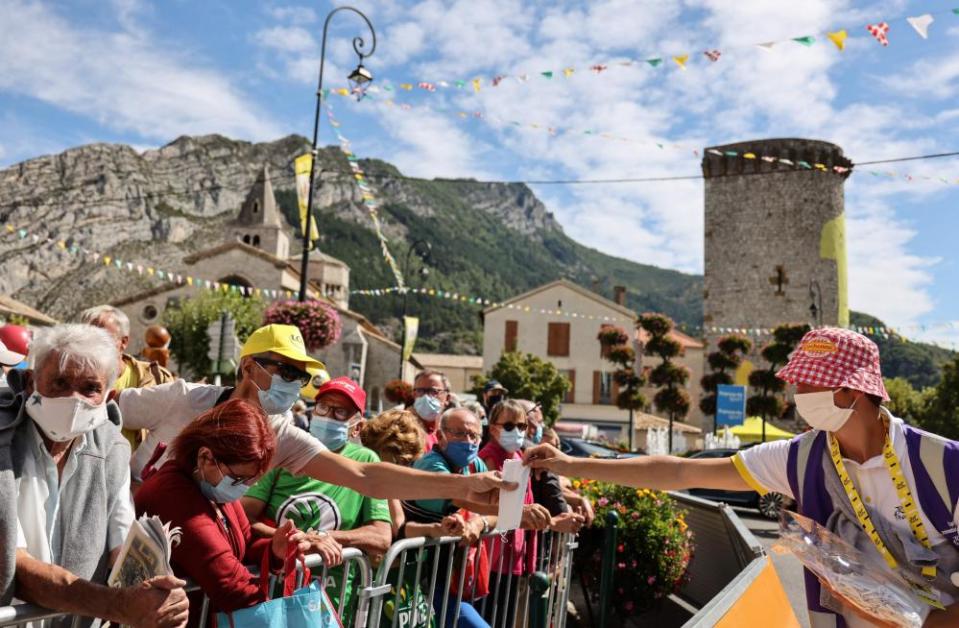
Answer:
x=512 y=329
x=246 y=239
x=557 y=341
x=570 y=396
x=256 y=240
x=604 y=388
x=256 y=207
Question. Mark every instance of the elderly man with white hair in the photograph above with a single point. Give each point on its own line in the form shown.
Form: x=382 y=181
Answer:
x=64 y=471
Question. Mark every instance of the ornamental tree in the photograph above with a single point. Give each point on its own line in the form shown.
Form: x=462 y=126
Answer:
x=528 y=377
x=672 y=396
x=729 y=354
x=768 y=402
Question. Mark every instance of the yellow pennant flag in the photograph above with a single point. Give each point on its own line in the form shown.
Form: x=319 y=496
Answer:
x=302 y=166
x=476 y=85
x=568 y=71
x=681 y=60
x=838 y=38
x=342 y=91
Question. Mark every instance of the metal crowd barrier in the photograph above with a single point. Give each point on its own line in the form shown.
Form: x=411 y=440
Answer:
x=412 y=585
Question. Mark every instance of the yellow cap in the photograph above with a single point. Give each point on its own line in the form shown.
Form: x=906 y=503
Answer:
x=318 y=377
x=285 y=340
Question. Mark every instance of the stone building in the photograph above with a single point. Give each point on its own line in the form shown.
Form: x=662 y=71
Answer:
x=257 y=255
x=775 y=243
x=559 y=322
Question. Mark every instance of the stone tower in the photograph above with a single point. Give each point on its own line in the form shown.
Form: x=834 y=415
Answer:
x=775 y=236
x=259 y=223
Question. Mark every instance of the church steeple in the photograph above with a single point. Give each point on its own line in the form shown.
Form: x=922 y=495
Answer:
x=259 y=223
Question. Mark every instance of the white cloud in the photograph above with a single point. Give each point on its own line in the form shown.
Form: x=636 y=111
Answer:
x=288 y=39
x=122 y=79
x=299 y=14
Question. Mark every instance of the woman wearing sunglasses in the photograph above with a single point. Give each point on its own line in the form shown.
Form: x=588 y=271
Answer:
x=517 y=556
x=216 y=459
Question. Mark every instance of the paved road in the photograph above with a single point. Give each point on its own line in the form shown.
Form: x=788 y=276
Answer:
x=787 y=567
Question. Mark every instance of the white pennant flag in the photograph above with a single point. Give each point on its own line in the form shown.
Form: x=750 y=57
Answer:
x=921 y=24
x=768 y=46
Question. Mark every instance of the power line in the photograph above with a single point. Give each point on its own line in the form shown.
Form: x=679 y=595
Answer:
x=897 y=159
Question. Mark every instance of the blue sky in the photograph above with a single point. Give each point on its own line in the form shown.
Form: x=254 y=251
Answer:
x=143 y=73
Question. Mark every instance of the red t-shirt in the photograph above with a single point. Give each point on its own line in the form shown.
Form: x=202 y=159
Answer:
x=212 y=552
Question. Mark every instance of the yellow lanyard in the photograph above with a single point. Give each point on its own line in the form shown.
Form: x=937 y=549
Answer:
x=905 y=499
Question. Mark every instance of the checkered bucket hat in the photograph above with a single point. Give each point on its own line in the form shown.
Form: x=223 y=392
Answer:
x=836 y=358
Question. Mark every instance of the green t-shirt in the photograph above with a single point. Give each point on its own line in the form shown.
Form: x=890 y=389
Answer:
x=315 y=505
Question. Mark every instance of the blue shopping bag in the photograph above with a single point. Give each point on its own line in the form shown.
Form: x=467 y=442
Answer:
x=308 y=607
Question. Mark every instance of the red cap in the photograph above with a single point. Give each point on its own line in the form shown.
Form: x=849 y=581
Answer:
x=836 y=358
x=346 y=386
x=14 y=342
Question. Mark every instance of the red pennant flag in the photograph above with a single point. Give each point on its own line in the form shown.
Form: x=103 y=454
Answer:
x=712 y=55
x=879 y=31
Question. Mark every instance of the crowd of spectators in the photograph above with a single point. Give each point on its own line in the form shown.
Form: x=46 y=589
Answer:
x=91 y=437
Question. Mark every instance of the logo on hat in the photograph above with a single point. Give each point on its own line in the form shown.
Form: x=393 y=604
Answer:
x=818 y=347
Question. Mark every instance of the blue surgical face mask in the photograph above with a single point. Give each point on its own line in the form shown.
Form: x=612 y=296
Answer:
x=280 y=396
x=225 y=491
x=332 y=433
x=461 y=453
x=537 y=437
x=511 y=441
x=428 y=408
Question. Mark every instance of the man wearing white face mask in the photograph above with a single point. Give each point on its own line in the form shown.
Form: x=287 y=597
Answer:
x=887 y=488
x=64 y=474
x=272 y=370
x=431 y=395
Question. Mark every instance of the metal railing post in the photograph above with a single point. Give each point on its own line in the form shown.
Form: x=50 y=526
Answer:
x=606 y=570
x=539 y=585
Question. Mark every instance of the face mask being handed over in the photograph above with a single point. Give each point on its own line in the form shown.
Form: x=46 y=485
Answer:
x=821 y=412
x=64 y=418
x=280 y=396
x=225 y=491
x=332 y=433
x=428 y=408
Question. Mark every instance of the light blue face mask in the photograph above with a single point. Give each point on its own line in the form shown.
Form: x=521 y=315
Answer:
x=511 y=441
x=537 y=437
x=225 y=491
x=332 y=433
x=280 y=396
x=428 y=408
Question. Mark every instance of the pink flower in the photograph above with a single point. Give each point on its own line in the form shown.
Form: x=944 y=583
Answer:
x=651 y=580
x=603 y=501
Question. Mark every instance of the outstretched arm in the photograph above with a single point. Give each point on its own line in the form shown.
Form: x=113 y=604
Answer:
x=663 y=473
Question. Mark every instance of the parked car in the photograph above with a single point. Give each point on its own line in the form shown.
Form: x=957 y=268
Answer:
x=769 y=505
x=582 y=448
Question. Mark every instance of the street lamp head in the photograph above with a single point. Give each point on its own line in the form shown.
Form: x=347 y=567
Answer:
x=360 y=79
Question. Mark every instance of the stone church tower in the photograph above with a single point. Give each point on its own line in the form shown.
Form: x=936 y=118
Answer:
x=259 y=223
x=775 y=237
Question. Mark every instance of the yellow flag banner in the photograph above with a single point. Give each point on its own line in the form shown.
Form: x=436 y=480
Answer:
x=302 y=166
x=411 y=325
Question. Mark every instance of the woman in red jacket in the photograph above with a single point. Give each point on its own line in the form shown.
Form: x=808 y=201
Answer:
x=215 y=460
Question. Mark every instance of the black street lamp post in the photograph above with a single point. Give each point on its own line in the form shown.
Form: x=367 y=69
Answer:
x=423 y=250
x=359 y=79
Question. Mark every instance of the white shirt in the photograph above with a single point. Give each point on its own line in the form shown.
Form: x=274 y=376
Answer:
x=38 y=501
x=767 y=464
x=166 y=409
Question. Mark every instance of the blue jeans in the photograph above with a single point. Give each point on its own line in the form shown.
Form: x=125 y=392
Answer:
x=469 y=616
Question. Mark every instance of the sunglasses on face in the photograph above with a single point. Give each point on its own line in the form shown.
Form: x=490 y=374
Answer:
x=432 y=392
x=332 y=412
x=510 y=426
x=287 y=372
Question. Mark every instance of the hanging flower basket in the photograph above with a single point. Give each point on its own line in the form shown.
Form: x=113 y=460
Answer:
x=317 y=321
x=399 y=392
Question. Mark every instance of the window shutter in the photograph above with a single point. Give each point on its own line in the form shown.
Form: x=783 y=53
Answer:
x=557 y=341
x=571 y=393
x=597 y=383
x=512 y=329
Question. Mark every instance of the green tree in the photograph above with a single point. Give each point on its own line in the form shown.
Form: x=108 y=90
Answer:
x=768 y=402
x=940 y=413
x=528 y=377
x=729 y=354
x=188 y=323
x=615 y=343
x=672 y=396
x=905 y=401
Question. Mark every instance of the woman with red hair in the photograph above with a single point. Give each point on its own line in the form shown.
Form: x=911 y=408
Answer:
x=214 y=461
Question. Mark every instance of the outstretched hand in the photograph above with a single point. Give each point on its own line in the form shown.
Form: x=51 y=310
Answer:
x=482 y=488
x=546 y=457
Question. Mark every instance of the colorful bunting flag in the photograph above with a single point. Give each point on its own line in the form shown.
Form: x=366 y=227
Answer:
x=568 y=72
x=921 y=24
x=880 y=32
x=655 y=62
x=548 y=75
x=681 y=61
x=838 y=38
x=807 y=41
x=476 y=84
x=712 y=55
x=768 y=46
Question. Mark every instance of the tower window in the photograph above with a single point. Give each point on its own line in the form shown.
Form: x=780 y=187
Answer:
x=246 y=239
x=779 y=280
x=256 y=240
x=256 y=207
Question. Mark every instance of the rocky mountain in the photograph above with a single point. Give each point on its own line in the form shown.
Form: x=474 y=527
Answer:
x=155 y=207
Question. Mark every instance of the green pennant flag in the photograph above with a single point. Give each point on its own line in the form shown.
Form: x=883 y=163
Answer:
x=548 y=75
x=956 y=11
x=808 y=40
x=654 y=62
x=460 y=84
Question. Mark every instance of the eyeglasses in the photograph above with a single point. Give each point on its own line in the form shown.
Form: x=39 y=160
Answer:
x=472 y=437
x=432 y=392
x=247 y=481
x=510 y=426
x=287 y=372
x=533 y=409
x=335 y=412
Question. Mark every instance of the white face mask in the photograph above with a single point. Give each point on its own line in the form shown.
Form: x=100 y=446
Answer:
x=821 y=412
x=64 y=418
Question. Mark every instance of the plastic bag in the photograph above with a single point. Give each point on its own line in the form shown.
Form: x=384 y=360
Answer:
x=859 y=579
